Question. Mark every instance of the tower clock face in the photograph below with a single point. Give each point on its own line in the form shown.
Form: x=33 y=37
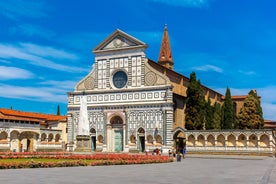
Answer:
x=120 y=79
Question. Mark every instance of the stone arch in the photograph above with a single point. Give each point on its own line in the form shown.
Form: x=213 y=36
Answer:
x=210 y=140
x=28 y=140
x=132 y=139
x=100 y=139
x=264 y=141
x=242 y=140
x=3 y=136
x=43 y=137
x=57 y=138
x=191 y=140
x=92 y=131
x=150 y=139
x=221 y=140
x=179 y=138
x=115 y=120
x=200 y=140
x=50 y=137
x=231 y=140
x=253 y=141
x=141 y=130
x=158 y=140
x=14 y=135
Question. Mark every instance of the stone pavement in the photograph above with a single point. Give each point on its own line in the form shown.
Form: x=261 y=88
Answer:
x=226 y=170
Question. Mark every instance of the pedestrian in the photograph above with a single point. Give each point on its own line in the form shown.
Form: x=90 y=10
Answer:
x=170 y=153
x=184 y=151
x=157 y=151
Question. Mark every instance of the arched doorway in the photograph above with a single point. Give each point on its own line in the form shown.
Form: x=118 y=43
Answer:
x=27 y=140
x=93 y=139
x=117 y=131
x=141 y=135
x=179 y=138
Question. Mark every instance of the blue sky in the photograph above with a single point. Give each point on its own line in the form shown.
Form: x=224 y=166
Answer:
x=45 y=46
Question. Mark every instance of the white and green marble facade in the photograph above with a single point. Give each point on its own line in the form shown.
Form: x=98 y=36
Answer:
x=136 y=116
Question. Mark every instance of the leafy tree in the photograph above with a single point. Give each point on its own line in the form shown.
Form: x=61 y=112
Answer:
x=58 y=110
x=209 y=115
x=228 y=118
x=251 y=115
x=217 y=116
x=194 y=105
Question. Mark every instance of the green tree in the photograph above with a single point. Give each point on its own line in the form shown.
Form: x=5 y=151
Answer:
x=58 y=110
x=228 y=117
x=251 y=114
x=194 y=105
x=217 y=116
x=209 y=115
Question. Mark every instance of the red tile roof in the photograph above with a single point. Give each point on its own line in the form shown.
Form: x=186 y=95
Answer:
x=240 y=97
x=269 y=124
x=29 y=116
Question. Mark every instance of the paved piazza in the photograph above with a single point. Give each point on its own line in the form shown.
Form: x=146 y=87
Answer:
x=191 y=170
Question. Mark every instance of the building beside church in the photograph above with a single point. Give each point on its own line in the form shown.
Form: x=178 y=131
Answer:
x=136 y=104
x=31 y=132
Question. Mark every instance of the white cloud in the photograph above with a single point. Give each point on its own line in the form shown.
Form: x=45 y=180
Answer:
x=32 y=30
x=42 y=94
x=40 y=56
x=67 y=85
x=247 y=72
x=46 y=51
x=14 y=73
x=184 y=3
x=208 y=68
x=14 y=9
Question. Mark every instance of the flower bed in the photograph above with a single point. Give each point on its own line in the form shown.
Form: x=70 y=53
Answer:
x=42 y=160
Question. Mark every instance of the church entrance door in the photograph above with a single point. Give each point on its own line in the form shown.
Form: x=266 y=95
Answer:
x=93 y=143
x=93 y=139
x=118 y=140
x=141 y=143
x=141 y=134
x=116 y=134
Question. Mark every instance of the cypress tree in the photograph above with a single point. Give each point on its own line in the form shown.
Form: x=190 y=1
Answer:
x=228 y=118
x=217 y=116
x=58 y=110
x=209 y=114
x=194 y=119
x=251 y=115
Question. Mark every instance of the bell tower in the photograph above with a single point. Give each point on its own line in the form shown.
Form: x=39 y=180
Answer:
x=165 y=56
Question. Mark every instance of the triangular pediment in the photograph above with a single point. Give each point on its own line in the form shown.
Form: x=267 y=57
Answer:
x=119 y=40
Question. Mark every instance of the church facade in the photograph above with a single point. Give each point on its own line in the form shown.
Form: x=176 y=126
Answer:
x=130 y=104
x=135 y=104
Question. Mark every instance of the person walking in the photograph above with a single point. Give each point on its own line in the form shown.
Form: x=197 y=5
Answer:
x=184 y=151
